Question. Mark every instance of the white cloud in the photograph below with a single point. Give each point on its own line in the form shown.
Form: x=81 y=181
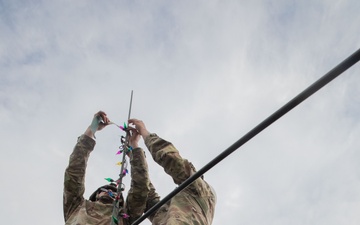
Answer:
x=203 y=73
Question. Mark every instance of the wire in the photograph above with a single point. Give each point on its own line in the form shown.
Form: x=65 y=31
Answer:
x=317 y=85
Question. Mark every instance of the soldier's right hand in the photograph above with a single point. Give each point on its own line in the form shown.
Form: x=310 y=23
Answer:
x=140 y=127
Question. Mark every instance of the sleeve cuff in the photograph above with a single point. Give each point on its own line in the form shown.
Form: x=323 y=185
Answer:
x=87 y=141
x=149 y=138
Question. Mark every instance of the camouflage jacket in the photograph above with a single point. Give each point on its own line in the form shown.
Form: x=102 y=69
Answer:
x=195 y=204
x=79 y=211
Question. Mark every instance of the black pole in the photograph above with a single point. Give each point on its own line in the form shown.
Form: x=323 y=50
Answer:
x=332 y=74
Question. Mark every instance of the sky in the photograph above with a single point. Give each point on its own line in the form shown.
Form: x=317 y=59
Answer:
x=204 y=73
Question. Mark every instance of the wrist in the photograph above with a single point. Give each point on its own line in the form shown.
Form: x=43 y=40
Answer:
x=90 y=133
x=145 y=134
x=134 y=145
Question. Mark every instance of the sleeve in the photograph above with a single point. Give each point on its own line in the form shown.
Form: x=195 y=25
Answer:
x=153 y=199
x=74 y=179
x=139 y=189
x=167 y=156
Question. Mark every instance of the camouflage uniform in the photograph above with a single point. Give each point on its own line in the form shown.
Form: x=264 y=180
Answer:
x=195 y=204
x=80 y=211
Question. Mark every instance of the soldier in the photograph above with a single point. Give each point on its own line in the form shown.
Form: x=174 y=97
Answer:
x=98 y=209
x=193 y=205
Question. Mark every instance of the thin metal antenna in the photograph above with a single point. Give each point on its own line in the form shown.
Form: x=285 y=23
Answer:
x=125 y=144
x=131 y=97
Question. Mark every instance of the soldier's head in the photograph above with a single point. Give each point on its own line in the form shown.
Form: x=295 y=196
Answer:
x=105 y=194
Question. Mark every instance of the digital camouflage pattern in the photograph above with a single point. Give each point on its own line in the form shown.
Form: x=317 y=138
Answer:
x=140 y=185
x=79 y=211
x=195 y=205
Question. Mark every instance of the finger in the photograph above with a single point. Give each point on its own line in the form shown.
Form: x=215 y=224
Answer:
x=133 y=120
x=100 y=113
x=132 y=133
x=132 y=129
x=102 y=117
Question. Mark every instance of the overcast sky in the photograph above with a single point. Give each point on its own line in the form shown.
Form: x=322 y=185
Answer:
x=203 y=73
